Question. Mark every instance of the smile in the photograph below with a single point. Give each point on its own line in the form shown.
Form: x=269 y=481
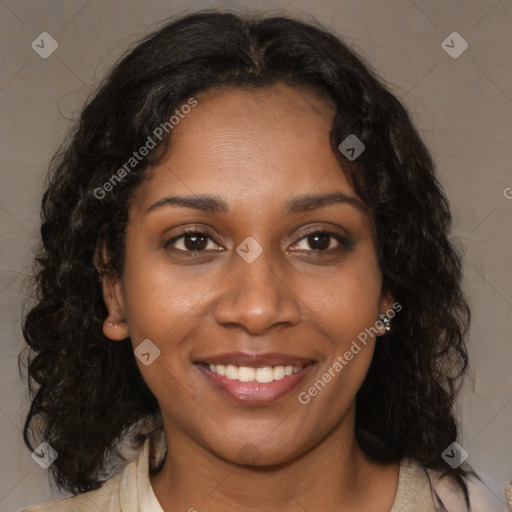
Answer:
x=255 y=384
x=262 y=375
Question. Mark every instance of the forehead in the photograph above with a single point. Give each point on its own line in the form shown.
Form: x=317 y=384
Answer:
x=255 y=114
x=253 y=147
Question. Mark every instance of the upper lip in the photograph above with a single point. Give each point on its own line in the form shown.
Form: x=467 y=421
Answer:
x=256 y=360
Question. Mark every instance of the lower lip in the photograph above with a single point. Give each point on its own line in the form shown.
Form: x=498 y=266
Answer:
x=256 y=393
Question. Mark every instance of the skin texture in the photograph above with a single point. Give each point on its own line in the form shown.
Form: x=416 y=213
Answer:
x=256 y=150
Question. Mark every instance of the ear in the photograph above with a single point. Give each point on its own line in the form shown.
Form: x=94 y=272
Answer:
x=389 y=308
x=115 y=326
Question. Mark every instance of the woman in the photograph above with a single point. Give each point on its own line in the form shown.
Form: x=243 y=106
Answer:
x=246 y=270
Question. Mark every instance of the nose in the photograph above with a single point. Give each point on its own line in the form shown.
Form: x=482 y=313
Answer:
x=257 y=296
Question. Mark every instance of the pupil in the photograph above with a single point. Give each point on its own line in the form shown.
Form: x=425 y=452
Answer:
x=323 y=237
x=195 y=245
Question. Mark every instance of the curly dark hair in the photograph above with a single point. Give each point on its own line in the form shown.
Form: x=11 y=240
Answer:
x=90 y=393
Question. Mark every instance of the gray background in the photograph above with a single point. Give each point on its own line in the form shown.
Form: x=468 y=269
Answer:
x=462 y=108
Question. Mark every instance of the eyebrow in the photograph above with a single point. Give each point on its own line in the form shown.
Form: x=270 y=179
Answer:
x=298 y=204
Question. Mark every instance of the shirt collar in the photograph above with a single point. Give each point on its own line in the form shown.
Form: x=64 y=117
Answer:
x=136 y=493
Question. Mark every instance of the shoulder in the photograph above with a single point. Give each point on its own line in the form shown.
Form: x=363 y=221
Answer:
x=125 y=490
x=413 y=492
x=106 y=499
x=481 y=497
x=421 y=489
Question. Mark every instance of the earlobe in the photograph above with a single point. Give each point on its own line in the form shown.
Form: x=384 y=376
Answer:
x=115 y=330
x=115 y=326
x=387 y=313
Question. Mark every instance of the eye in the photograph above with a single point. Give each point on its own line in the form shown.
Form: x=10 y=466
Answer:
x=191 y=240
x=321 y=241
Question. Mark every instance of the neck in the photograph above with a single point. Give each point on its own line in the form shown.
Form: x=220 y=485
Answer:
x=333 y=475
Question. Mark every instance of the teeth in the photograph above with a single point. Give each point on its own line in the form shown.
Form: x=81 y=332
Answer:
x=248 y=374
x=265 y=374
x=279 y=372
x=245 y=374
x=231 y=372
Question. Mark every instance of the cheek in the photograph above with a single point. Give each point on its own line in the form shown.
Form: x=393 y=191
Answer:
x=158 y=297
x=347 y=301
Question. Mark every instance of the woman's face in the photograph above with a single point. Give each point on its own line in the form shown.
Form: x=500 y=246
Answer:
x=257 y=288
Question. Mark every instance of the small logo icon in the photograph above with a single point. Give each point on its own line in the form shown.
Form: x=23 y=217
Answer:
x=44 y=455
x=249 y=454
x=507 y=192
x=351 y=147
x=454 y=45
x=454 y=455
x=249 y=249
x=147 y=352
x=44 y=45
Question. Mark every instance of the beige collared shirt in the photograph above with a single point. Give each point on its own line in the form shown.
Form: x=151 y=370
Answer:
x=131 y=490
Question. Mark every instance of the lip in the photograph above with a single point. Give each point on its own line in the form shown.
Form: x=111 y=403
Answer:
x=254 y=393
x=255 y=360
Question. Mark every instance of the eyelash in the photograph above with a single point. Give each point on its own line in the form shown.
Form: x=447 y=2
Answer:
x=345 y=244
